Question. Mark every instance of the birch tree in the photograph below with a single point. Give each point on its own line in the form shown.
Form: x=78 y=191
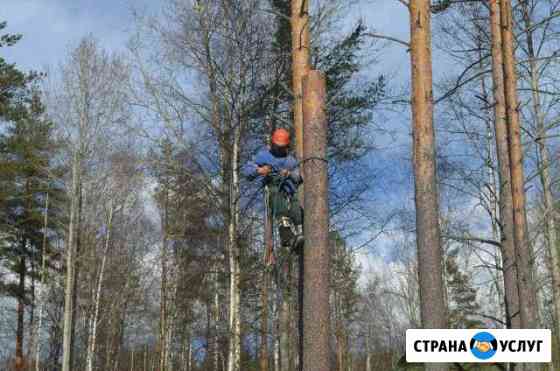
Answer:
x=85 y=102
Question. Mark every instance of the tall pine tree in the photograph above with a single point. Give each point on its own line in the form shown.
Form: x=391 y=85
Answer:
x=27 y=175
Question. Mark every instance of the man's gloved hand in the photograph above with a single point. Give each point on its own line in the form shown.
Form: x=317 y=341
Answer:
x=264 y=170
x=285 y=172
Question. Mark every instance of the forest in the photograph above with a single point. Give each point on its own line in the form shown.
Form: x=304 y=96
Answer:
x=135 y=233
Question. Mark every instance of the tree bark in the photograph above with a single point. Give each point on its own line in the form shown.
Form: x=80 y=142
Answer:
x=432 y=303
x=509 y=267
x=300 y=63
x=524 y=256
x=316 y=308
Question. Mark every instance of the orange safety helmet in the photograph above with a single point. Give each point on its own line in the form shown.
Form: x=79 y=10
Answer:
x=281 y=137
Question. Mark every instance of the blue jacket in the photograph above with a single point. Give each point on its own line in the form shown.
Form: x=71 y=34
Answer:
x=264 y=157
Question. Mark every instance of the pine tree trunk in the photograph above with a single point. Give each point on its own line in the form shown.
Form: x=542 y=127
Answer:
x=70 y=288
x=432 y=304
x=524 y=256
x=506 y=204
x=234 y=356
x=317 y=259
x=300 y=64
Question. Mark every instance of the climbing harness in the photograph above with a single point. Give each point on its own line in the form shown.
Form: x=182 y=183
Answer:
x=281 y=254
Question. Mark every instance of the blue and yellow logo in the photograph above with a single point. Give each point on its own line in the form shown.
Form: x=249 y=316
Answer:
x=483 y=345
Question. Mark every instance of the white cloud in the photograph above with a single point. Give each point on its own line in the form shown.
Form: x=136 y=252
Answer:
x=49 y=27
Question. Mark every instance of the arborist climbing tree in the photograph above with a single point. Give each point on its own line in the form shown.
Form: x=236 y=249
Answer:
x=276 y=168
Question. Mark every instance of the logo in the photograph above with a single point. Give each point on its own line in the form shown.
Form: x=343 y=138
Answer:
x=483 y=345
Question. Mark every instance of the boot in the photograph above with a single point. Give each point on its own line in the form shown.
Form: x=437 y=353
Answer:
x=285 y=231
x=298 y=241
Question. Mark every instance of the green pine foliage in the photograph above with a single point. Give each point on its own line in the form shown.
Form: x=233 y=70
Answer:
x=27 y=174
x=12 y=80
x=350 y=103
x=282 y=43
x=463 y=305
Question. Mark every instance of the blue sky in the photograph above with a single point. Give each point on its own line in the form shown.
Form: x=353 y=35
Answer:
x=50 y=27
